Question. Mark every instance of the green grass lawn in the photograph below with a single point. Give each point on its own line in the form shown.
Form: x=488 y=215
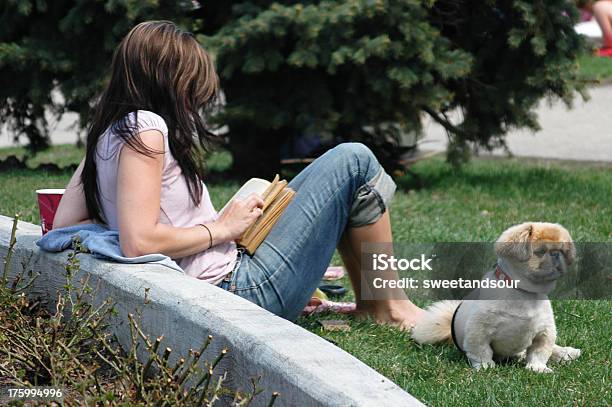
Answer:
x=595 y=68
x=477 y=204
x=474 y=204
x=61 y=155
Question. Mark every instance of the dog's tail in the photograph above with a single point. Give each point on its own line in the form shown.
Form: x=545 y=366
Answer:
x=435 y=326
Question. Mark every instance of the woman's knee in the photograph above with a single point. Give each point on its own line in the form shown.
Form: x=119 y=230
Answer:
x=376 y=189
x=372 y=188
x=356 y=153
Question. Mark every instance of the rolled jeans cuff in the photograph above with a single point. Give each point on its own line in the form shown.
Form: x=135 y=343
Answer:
x=371 y=200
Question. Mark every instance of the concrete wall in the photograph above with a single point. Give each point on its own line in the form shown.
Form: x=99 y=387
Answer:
x=306 y=369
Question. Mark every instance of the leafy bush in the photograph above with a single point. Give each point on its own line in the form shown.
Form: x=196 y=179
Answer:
x=340 y=70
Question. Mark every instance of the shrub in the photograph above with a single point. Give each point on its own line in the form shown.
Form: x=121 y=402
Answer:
x=73 y=349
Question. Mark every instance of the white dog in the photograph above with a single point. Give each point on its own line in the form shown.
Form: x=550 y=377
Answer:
x=506 y=322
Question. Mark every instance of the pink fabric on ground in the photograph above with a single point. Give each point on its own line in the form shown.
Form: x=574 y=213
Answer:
x=318 y=305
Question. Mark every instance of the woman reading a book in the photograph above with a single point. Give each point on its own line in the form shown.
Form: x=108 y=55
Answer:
x=143 y=176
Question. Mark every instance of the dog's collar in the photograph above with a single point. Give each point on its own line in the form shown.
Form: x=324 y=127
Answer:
x=501 y=275
x=524 y=286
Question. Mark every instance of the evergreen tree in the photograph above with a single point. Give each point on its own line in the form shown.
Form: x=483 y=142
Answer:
x=345 y=70
x=64 y=47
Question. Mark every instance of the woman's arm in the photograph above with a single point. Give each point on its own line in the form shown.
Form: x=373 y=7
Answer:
x=72 y=209
x=138 y=206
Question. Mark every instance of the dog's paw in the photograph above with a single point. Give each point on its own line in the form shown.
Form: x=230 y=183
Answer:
x=483 y=365
x=564 y=354
x=521 y=356
x=538 y=368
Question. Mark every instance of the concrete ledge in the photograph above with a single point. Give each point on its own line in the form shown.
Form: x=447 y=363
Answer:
x=304 y=368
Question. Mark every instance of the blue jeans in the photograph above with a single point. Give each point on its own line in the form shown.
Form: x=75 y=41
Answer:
x=345 y=187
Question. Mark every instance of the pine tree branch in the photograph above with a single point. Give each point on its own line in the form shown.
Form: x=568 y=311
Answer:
x=448 y=126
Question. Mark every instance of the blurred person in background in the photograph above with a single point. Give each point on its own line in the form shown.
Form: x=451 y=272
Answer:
x=602 y=11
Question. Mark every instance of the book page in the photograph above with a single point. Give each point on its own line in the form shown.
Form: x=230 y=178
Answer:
x=270 y=188
x=273 y=193
x=255 y=234
x=254 y=185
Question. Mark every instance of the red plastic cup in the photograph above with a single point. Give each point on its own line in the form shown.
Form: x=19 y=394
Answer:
x=48 y=201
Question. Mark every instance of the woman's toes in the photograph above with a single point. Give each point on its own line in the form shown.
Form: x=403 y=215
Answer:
x=402 y=314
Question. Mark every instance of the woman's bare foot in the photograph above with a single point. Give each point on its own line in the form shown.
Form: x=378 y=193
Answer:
x=401 y=313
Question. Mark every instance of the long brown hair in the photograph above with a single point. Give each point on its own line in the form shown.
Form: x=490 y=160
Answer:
x=160 y=68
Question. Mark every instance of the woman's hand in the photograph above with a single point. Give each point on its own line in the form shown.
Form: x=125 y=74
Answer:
x=237 y=217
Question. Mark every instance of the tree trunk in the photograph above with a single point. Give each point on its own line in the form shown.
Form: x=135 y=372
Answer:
x=255 y=153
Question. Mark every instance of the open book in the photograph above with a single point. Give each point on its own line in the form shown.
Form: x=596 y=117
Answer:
x=276 y=196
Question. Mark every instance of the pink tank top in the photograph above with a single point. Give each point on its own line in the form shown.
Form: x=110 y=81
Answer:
x=176 y=206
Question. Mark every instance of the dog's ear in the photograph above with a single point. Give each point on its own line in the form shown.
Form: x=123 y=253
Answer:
x=569 y=249
x=516 y=242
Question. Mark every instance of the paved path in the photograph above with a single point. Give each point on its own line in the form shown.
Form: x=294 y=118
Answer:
x=583 y=133
x=62 y=132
